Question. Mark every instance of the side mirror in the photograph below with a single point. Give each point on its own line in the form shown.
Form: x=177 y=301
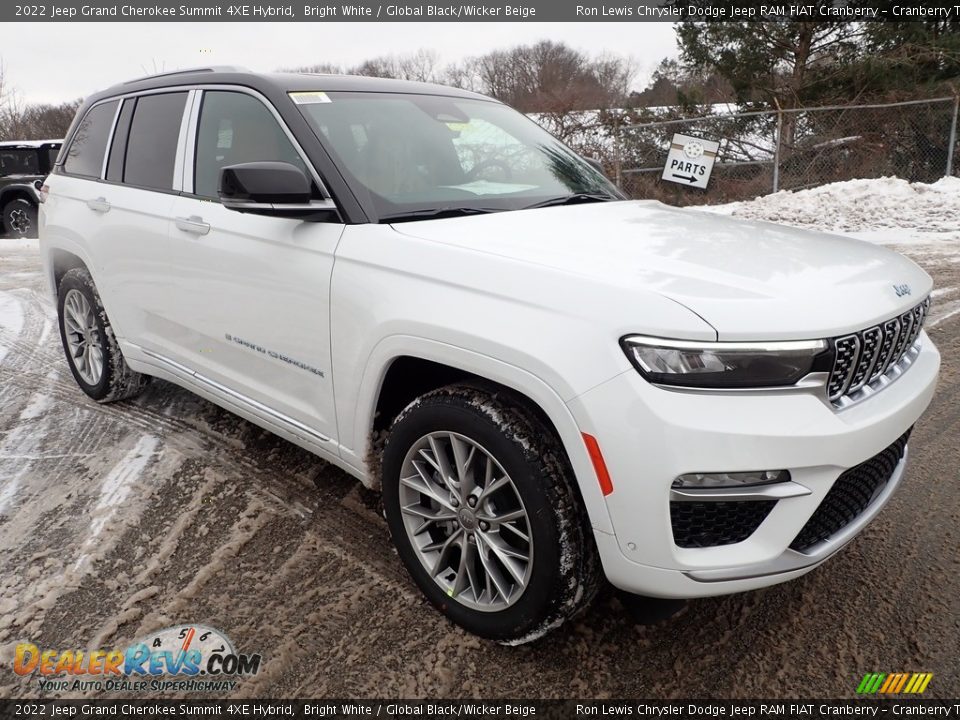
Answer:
x=270 y=188
x=595 y=164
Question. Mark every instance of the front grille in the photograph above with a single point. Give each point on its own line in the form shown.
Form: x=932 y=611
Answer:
x=850 y=495
x=707 y=524
x=860 y=358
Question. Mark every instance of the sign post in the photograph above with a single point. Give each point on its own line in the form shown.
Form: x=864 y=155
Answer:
x=690 y=161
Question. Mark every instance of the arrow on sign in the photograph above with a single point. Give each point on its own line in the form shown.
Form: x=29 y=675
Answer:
x=689 y=178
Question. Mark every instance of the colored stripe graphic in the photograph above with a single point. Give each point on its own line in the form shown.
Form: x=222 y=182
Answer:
x=894 y=683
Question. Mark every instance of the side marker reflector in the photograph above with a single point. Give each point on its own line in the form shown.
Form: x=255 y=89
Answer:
x=599 y=466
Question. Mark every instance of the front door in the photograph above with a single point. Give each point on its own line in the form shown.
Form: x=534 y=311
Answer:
x=249 y=300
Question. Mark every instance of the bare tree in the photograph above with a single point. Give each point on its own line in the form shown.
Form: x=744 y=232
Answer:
x=553 y=77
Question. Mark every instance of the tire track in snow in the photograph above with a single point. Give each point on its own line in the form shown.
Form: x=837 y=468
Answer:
x=11 y=322
x=114 y=490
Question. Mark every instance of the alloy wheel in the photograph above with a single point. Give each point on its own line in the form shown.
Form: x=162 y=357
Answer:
x=19 y=221
x=466 y=521
x=83 y=337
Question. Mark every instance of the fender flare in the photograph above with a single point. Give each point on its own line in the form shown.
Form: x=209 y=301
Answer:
x=550 y=402
x=27 y=189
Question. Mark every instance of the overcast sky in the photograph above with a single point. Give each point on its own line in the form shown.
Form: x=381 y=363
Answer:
x=55 y=62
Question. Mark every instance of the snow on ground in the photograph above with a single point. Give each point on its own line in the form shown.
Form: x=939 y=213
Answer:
x=921 y=220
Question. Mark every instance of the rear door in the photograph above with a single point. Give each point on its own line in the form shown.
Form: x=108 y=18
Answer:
x=249 y=303
x=115 y=194
x=135 y=203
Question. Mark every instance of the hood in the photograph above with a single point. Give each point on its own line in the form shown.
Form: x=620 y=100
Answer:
x=750 y=280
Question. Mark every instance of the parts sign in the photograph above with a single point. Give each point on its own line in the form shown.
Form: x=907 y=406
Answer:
x=690 y=161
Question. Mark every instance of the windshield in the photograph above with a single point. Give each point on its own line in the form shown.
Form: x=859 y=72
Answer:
x=427 y=155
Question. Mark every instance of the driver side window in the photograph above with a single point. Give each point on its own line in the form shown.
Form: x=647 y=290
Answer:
x=236 y=128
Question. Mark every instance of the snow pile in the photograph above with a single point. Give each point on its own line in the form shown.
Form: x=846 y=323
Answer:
x=886 y=210
x=921 y=220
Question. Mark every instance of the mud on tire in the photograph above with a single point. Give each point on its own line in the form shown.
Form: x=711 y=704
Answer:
x=117 y=381
x=566 y=570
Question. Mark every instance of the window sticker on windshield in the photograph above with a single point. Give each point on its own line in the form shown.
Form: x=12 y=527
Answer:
x=458 y=126
x=309 y=98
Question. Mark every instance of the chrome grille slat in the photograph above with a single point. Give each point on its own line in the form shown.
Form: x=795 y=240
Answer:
x=846 y=354
x=864 y=357
x=891 y=331
x=906 y=329
x=869 y=351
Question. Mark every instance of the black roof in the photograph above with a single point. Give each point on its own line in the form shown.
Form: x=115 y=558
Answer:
x=284 y=82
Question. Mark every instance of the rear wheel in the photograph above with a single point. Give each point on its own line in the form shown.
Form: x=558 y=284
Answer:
x=480 y=502
x=20 y=218
x=89 y=343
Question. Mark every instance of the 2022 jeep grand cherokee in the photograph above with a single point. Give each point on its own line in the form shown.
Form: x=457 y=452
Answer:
x=568 y=382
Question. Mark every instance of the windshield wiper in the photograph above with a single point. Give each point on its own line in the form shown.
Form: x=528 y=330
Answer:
x=432 y=213
x=572 y=199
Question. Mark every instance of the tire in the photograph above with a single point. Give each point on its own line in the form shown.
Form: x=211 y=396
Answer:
x=555 y=574
x=109 y=379
x=20 y=218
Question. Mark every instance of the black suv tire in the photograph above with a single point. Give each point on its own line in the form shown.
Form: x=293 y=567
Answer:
x=116 y=380
x=565 y=572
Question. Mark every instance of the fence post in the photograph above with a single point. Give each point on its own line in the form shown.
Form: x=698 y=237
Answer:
x=953 y=135
x=776 y=150
x=618 y=151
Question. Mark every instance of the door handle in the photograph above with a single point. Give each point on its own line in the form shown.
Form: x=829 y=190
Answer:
x=193 y=224
x=99 y=204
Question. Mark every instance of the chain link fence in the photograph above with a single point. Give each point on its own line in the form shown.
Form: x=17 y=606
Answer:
x=765 y=151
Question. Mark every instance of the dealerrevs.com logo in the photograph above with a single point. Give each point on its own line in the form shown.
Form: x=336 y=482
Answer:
x=181 y=658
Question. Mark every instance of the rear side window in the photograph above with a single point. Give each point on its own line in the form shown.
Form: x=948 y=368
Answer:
x=237 y=128
x=85 y=156
x=19 y=162
x=52 y=152
x=152 y=143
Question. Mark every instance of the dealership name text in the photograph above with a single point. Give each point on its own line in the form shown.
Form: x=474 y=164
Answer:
x=763 y=710
x=757 y=12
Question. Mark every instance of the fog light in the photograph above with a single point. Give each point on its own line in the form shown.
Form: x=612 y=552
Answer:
x=731 y=480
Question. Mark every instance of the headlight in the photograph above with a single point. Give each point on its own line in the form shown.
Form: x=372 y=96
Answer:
x=725 y=365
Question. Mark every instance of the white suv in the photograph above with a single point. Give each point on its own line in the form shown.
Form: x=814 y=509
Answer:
x=550 y=383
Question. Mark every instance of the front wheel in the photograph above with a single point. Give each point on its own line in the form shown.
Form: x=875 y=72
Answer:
x=481 y=505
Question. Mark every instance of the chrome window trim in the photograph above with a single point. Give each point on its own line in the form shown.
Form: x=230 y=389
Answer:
x=109 y=147
x=194 y=120
x=325 y=204
x=190 y=145
x=195 y=123
x=178 y=162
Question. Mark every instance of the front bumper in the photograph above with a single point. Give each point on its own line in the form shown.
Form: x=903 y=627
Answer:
x=650 y=435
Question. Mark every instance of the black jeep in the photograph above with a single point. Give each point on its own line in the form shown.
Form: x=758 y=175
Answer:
x=22 y=164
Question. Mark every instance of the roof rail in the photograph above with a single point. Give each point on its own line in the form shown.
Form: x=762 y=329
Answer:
x=185 y=71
